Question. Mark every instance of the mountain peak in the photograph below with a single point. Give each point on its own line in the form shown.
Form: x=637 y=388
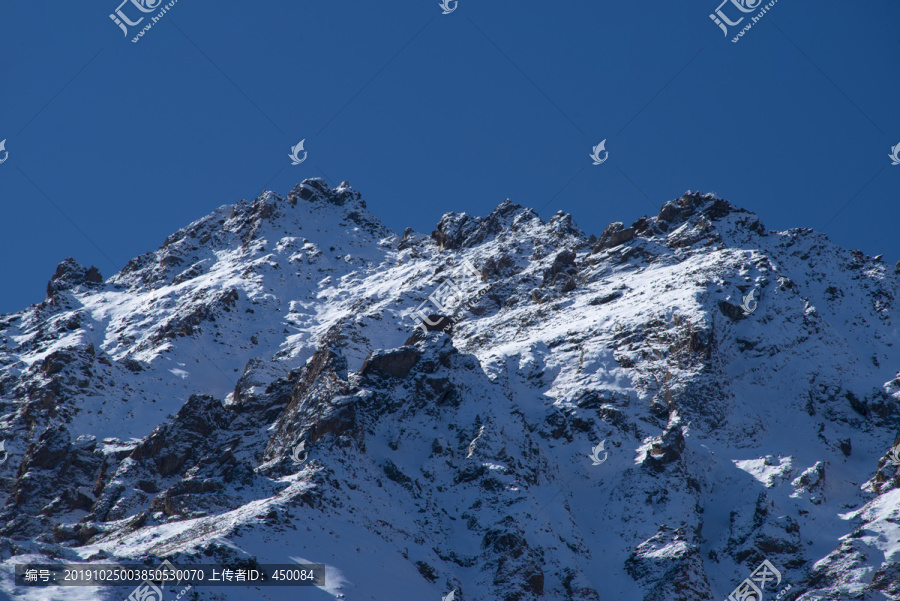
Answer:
x=69 y=274
x=316 y=190
x=740 y=385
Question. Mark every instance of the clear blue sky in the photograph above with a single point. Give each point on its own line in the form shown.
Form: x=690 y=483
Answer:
x=426 y=113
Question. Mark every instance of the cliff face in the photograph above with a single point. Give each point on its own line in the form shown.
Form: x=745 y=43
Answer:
x=742 y=382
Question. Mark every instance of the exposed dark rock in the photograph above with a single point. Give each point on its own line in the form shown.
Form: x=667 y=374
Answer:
x=614 y=234
x=676 y=575
x=456 y=231
x=170 y=446
x=562 y=271
x=396 y=362
x=496 y=267
x=669 y=211
x=732 y=312
x=55 y=362
x=311 y=188
x=253 y=376
x=69 y=274
x=132 y=365
x=50 y=481
x=858 y=405
x=438 y=323
x=642 y=226
x=602 y=300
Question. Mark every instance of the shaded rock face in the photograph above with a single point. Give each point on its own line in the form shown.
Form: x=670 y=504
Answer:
x=687 y=205
x=604 y=421
x=614 y=235
x=254 y=376
x=732 y=312
x=169 y=448
x=461 y=231
x=54 y=477
x=68 y=275
x=438 y=323
x=676 y=575
x=698 y=210
x=562 y=271
x=319 y=404
x=495 y=267
x=177 y=470
x=312 y=188
x=396 y=363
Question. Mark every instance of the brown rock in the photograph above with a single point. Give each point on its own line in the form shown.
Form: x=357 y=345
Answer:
x=614 y=234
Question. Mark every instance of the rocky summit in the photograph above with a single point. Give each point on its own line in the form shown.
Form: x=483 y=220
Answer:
x=505 y=409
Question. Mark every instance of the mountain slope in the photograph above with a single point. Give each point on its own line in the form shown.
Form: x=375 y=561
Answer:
x=743 y=383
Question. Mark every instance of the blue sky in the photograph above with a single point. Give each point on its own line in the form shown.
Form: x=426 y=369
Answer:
x=113 y=145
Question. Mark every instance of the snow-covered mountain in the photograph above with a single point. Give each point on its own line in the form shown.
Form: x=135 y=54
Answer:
x=647 y=415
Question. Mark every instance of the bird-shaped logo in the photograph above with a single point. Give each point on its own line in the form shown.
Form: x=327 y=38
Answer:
x=3 y=450
x=295 y=153
x=895 y=155
x=299 y=450
x=601 y=147
x=450 y=596
x=449 y=6
x=894 y=455
x=6 y=154
x=595 y=453
x=745 y=305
